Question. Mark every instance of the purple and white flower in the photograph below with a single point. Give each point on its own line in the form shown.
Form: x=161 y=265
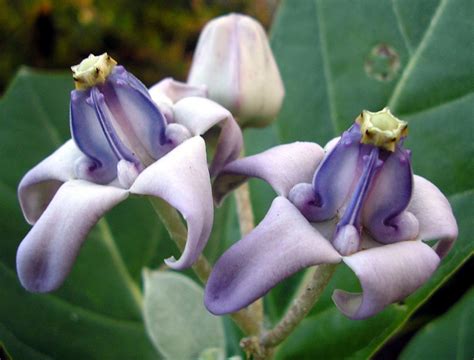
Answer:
x=356 y=201
x=125 y=140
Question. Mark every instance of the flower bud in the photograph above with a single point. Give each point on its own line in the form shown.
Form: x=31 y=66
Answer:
x=234 y=60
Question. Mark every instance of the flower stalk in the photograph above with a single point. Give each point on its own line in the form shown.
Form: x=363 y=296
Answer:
x=245 y=318
x=301 y=306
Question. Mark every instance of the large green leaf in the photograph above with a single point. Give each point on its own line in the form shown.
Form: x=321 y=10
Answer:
x=323 y=48
x=449 y=337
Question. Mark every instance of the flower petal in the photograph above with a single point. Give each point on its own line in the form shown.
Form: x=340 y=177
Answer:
x=387 y=274
x=384 y=209
x=176 y=90
x=282 y=244
x=47 y=253
x=199 y=115
x=334 y=177
x=434 y=214
x=136 y=114
x=99 y=164
x=282 y=167
x=181 y=178
x=39 y=185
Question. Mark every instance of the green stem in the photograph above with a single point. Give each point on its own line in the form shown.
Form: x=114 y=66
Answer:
x=301 y=306
x=202 y=268
x=178 y=232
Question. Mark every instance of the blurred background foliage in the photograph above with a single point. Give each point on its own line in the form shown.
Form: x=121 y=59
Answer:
x=154 y=38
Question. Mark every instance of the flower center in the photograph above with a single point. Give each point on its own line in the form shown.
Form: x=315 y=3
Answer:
x=347 y=236
x=381 y=129
x=92 y=71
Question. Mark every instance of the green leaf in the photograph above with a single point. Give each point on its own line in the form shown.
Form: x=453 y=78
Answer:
x=448 y=337
x=97 y=313
x=322 y=48
x=176 y=320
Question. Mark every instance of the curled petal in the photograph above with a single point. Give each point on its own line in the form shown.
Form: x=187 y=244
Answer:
x=47 y=253
x=282 y=167
x=181 y=178
x=176 y=90
x=334 y=177
x=282 y=244
x=199 y=115
x=39 y=185
x=387 y=274
x=100 y=162
x=140 y=120
x=390 y=193
x=434 y=215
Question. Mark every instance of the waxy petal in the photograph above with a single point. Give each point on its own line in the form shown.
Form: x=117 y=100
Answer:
x=282 y=244
x=434 y=214
x=39 y=185
x=176 y=90
x=282 y=167
x=387 y=274
x=100 y=162
x=47 y=253
x=334 y=177
x=137 y=116
x=384 y=212
x=199 y=115
x=181 y=178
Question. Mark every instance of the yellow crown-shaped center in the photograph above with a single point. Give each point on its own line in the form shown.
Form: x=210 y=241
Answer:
x=381 y=129
x=92 y=71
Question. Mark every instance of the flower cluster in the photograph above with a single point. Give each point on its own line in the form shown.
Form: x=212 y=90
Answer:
x=355 y=201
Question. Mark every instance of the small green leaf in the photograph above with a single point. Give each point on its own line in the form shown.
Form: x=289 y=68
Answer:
x=448 y=337
x=175 y=318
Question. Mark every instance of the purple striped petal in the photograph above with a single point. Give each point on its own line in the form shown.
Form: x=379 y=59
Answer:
x=282 y=167
x=100 y=162
x=384 y=212
x=141 y=122
x=434 y=214
x=39 y=185
x=282 y=244
x=199 y=115
x=47 y=253
x=387 y=274
x=181 y=178
x=334 y=177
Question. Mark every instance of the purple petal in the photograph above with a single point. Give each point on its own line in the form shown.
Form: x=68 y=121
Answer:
x=387 y=274
x=434 y=215
x=282 y=167
x=181 y=178
x=100 y=162
x=390 y=193
x=334 y=177
x=137 y=116
x=282 y=244
x=176 y=90
x=39 y=185
x=199 y=115
x=47 y=253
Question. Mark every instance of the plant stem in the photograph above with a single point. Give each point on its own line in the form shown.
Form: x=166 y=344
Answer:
x=170 y=218
x=301 y=306
x=178 y=232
